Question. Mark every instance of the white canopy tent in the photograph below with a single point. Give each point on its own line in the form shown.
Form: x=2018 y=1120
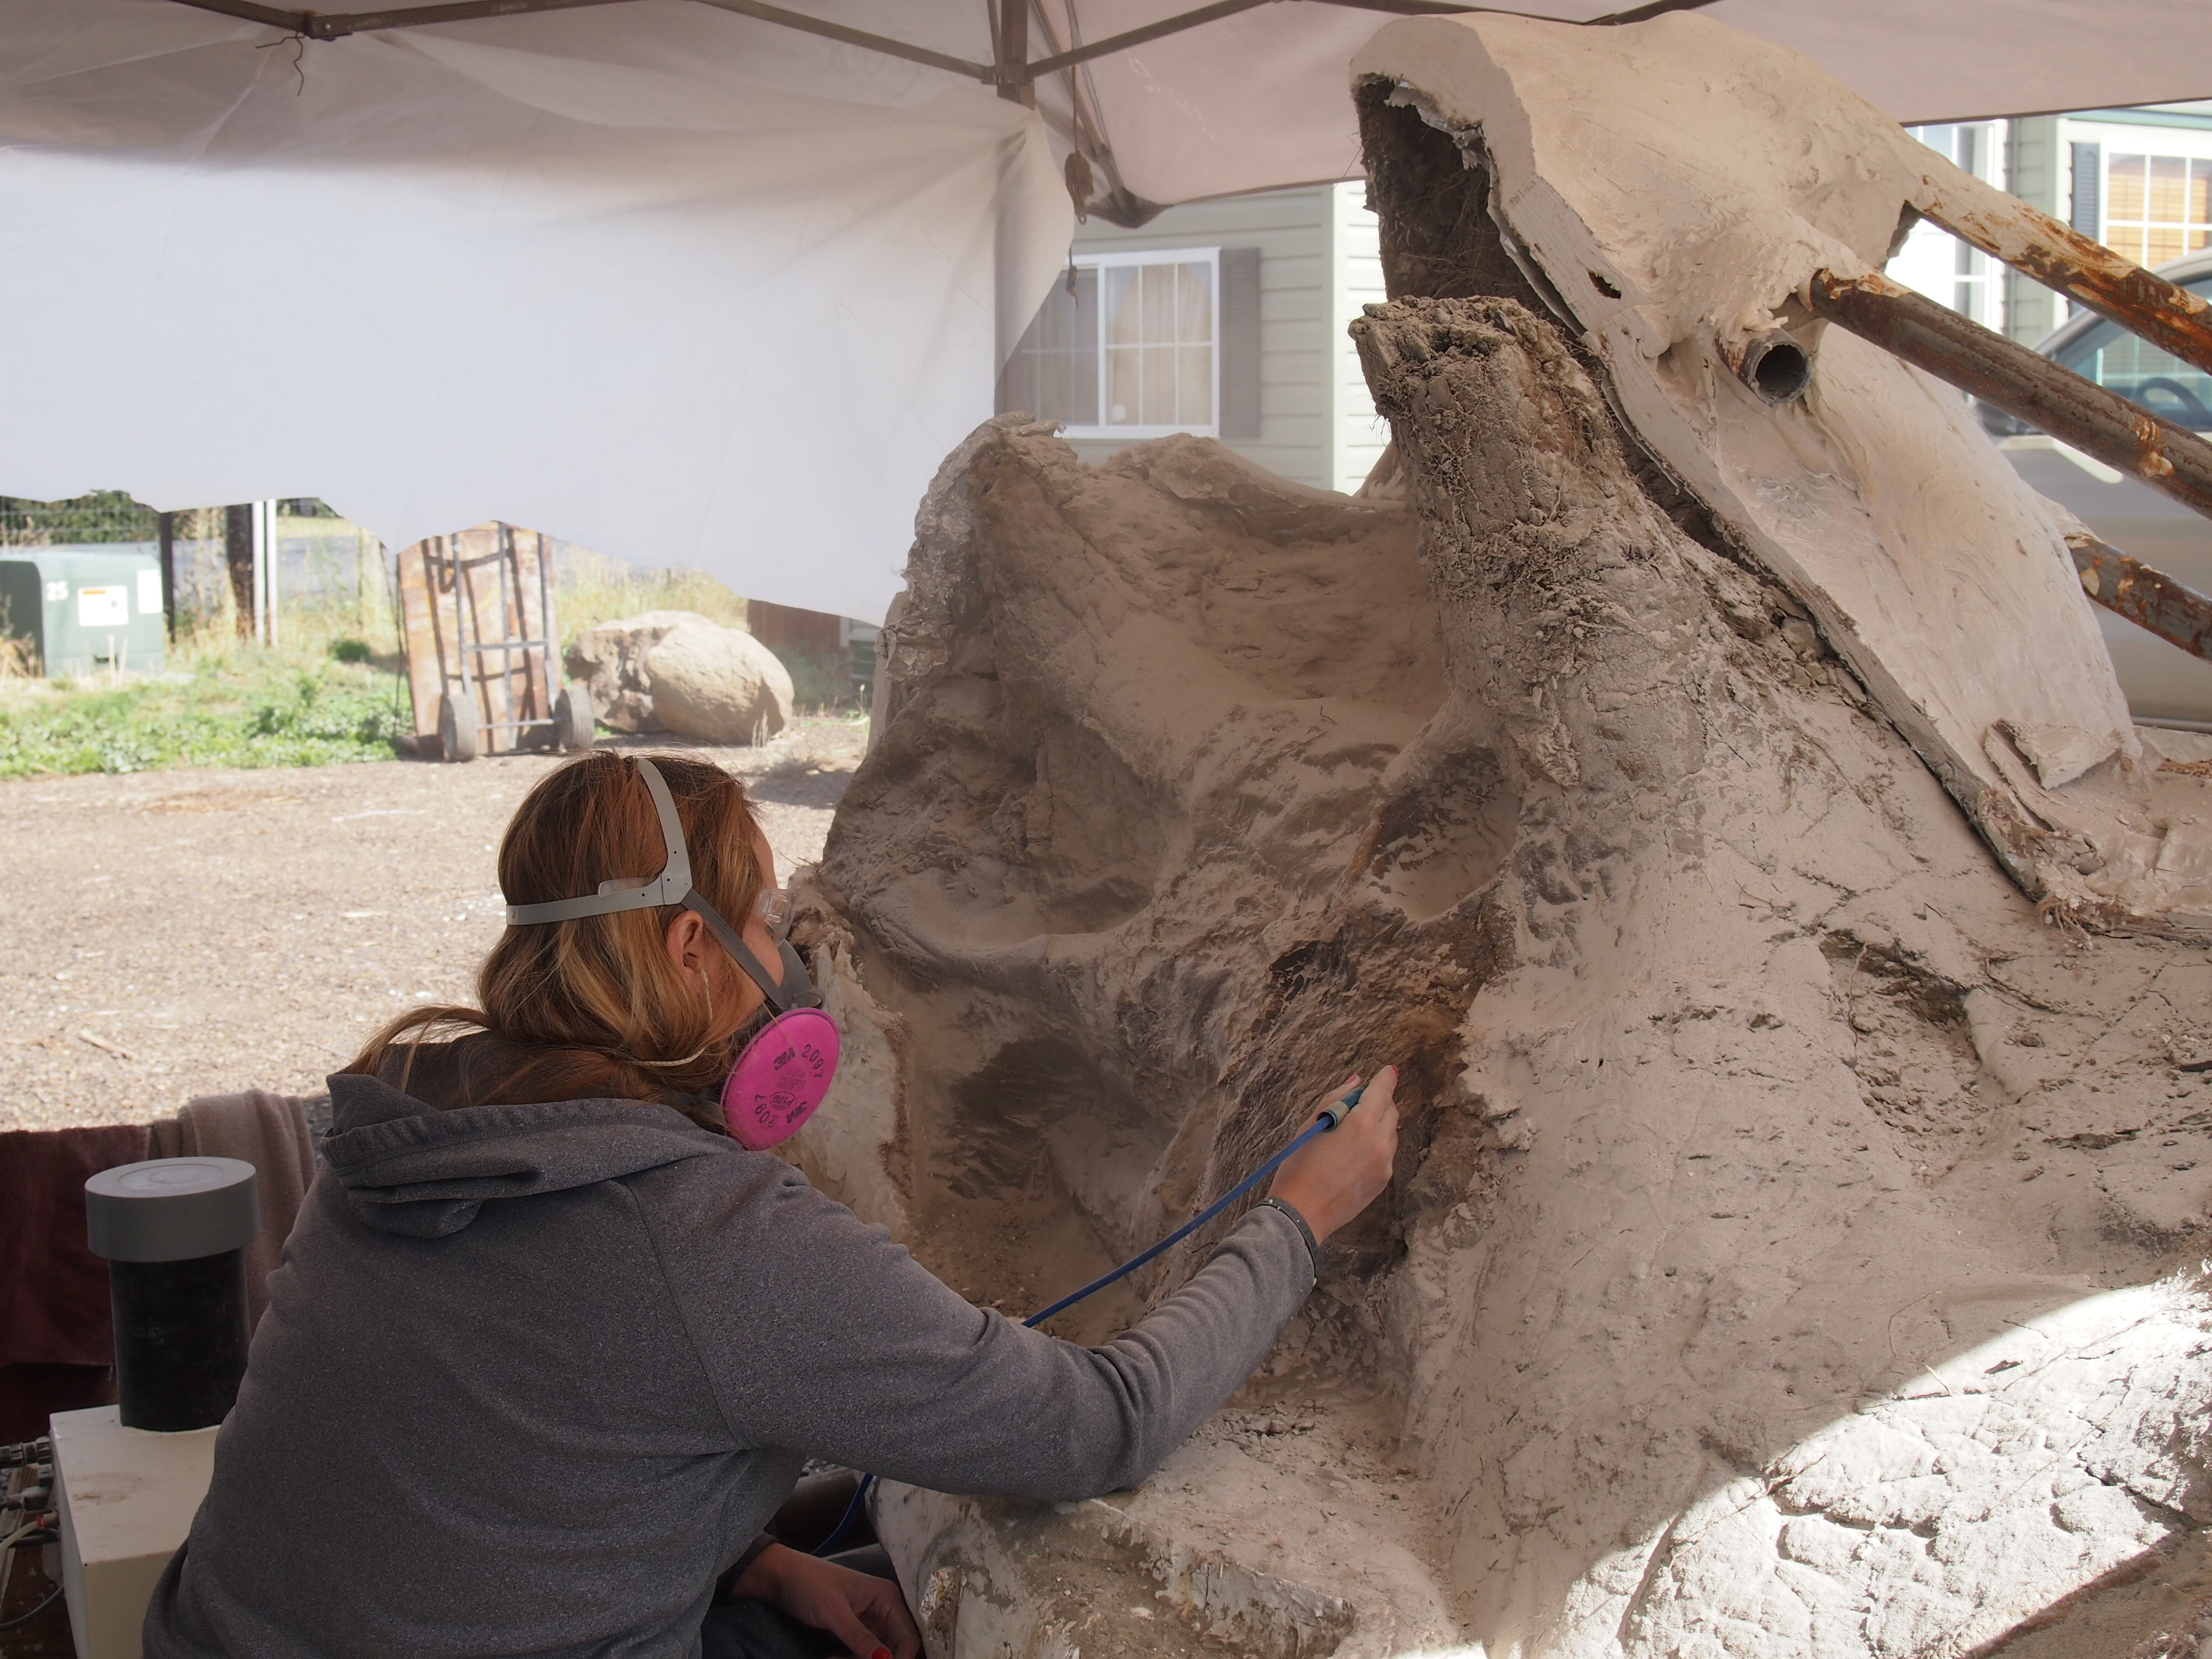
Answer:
x=692 y=281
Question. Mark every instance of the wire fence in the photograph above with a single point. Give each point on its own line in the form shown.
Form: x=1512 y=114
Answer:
x=322 y=560
x=335 y=581
x=325 y=566
x=105 y=516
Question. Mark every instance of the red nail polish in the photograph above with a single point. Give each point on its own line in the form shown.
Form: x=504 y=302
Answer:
x=881 y=1653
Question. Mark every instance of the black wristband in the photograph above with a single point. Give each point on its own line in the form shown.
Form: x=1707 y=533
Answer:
x=1313 y=1244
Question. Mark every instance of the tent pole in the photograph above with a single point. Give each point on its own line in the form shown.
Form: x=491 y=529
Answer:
x=1015 y=85
x=1138 y=37
x=1011 y=71
x=2149 y=599
x=2029 y=387
x=2061 y=257
x=167 y=527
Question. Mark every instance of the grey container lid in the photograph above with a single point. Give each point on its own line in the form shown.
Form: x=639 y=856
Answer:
x=172 y=1209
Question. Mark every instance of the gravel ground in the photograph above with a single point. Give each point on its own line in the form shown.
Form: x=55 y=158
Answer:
x=183 y=933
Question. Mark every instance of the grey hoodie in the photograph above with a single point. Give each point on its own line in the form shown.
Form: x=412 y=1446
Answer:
x=531 y=1376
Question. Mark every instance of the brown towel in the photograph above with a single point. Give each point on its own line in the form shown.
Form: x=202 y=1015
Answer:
x=53 y=1291
x=268 y=1130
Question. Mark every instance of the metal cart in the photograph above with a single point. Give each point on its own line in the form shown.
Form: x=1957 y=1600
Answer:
x=483 y=671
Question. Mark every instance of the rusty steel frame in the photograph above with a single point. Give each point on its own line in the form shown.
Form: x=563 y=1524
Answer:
x=2071 y=408
x=2032 y=388
x=2061 y=259
x=2149 y=599
x=2024 y=384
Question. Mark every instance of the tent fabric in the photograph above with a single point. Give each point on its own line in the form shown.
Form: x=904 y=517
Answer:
x=1258 y=98
x=682 y=285
x=607 y=284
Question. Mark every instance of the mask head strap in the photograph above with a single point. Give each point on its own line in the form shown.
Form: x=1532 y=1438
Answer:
x=626 y=892
x=673 y=886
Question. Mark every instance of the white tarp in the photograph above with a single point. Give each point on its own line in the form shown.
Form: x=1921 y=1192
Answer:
x=681 y=285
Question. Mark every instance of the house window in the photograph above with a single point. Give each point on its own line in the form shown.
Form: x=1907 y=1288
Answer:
x=2157 y=208
x=1936 y=264
x=1133 y=351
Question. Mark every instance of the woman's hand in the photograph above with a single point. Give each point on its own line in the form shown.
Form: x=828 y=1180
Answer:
x=1333 y=1176
x=867 y=1614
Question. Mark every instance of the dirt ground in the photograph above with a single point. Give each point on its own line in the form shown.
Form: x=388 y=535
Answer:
x=176 y=933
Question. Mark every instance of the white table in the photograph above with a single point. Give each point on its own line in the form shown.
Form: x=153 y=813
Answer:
x=127 y=1498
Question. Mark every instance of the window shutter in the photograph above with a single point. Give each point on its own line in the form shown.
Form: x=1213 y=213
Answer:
x=2084 y=213
x=1240 y=342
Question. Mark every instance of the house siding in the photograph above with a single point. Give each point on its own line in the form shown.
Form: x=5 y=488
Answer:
x=1358 y=435
x=2035 y=172
x=1292 y=230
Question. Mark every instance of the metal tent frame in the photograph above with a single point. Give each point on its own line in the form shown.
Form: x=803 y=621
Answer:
x=1012 y=70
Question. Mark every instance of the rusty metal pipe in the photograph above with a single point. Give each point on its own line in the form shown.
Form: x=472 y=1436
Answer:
x=1773 y=364
x=2027 y=387
x=2061 y=259
x=2149 y=599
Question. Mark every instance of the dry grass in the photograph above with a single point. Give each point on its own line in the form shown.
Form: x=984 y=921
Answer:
x=17 y=661
x=597 y=590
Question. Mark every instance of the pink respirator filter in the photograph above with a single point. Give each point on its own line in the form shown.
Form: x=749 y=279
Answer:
x=780 y=1078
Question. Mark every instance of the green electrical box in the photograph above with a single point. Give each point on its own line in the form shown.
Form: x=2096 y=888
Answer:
x=85 y=609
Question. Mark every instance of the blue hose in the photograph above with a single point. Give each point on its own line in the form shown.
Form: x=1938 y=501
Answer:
x=1330 y=1116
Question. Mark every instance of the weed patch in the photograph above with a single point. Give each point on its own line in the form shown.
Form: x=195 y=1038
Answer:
x=238 y=706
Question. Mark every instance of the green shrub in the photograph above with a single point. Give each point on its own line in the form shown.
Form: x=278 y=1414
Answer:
x=239 y=706
x=821 y=681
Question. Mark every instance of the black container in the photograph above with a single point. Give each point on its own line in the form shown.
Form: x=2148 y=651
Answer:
x=174 y=1232
x=179 y=1339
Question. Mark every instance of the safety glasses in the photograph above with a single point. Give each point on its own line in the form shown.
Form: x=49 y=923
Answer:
x=775 y=909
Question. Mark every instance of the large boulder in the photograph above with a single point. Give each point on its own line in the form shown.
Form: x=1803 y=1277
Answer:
x=677 y=671
x=609 y=658
x=717 y=685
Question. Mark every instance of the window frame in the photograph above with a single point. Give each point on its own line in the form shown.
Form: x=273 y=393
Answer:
x=2189 y=142
x=2194 y=162
x=1930 y=261
x=1103 y=259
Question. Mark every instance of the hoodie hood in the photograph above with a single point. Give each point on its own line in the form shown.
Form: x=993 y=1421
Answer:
x=408 y=1168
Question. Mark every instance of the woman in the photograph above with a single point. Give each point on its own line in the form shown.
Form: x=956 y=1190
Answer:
x=549 y=1347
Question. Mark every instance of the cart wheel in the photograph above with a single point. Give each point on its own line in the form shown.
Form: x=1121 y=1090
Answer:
x=457 y=727
x=574 y=719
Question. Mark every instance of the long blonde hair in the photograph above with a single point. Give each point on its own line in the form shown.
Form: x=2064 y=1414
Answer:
x=594 y=1007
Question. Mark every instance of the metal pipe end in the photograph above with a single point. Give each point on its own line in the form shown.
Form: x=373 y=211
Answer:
x=1774 y=366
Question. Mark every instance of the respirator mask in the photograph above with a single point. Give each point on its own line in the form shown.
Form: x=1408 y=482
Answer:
x=783 y=1073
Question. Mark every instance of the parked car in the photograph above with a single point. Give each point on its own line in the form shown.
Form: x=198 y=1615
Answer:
x=2165 y=686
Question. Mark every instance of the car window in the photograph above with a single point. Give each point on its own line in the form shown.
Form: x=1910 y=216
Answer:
x=2138 y=370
